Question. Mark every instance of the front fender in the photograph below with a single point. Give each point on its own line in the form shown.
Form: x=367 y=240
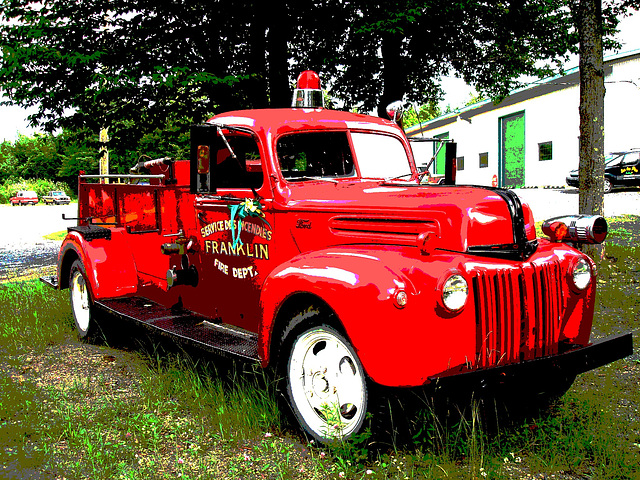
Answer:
x=108 y=263
x=354 y=282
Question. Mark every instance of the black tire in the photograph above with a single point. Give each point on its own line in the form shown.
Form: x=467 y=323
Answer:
x=318 y=365
x=607 y=186
x=81 y=301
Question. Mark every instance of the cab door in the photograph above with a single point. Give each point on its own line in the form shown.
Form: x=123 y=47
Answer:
x=235 y=230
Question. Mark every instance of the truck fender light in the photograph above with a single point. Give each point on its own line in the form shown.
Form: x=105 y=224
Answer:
x=576 y=228
x=400 y=298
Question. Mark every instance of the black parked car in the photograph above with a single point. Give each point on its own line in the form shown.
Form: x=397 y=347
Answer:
x=621 y=169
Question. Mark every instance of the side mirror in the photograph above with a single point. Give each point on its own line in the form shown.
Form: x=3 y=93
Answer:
x=203 y=137
x=395 y=111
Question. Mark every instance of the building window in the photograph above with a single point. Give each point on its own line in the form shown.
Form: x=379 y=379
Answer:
x=484 y=160
x=459 y=163
x=545 y=151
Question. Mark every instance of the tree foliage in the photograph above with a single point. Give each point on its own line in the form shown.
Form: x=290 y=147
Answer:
x=96 y=62
x=422 y=113
x=29 y=157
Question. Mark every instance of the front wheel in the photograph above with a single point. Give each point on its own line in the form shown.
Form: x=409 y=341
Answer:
x=80 y=298
x=607 y=185
x=326 y=384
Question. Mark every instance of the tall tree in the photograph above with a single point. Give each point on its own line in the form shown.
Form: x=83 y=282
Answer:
x=592 y=26
x=588 y=19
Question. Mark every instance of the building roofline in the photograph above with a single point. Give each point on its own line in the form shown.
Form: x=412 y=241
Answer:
x=570 y=78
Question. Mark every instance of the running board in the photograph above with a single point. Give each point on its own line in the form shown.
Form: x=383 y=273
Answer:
x=184 y=325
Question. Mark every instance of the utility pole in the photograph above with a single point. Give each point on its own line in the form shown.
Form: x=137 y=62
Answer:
x=103 y=167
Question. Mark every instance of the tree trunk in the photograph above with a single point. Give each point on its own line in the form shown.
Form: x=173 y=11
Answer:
x=588 y=16
x=258 y=94
x=393 y=73
x=280 y=92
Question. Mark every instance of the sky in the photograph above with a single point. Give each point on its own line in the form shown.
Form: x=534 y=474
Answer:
x=13 y=120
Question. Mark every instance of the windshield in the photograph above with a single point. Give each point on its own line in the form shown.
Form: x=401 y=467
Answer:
x=314 y=155
x=380 y=156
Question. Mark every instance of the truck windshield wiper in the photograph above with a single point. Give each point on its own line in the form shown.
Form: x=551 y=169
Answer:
x=304 y=177
x=390 y=179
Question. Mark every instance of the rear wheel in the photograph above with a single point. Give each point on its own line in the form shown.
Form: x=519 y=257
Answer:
x=326 y=384
x=81 y=302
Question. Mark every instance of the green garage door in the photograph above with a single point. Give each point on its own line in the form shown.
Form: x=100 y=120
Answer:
x=440 y=159
x=511 y=168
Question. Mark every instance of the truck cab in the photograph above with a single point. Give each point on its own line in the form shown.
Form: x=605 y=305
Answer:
x=304 y=239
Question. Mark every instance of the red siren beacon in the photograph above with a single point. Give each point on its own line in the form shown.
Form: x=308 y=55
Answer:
x=308 y=93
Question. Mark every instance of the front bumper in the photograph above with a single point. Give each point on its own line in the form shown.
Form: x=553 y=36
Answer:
x=572 y=362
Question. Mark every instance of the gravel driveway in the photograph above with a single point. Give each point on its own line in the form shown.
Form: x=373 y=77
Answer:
x=22 y=246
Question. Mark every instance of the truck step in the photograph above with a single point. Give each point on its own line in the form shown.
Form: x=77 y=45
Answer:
x=185 y=326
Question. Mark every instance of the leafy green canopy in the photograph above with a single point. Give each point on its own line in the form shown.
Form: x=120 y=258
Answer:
x=139 y=66
x=130 y=66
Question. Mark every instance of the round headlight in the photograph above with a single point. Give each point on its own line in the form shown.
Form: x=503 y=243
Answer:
x=455 y=292
x=581 y=274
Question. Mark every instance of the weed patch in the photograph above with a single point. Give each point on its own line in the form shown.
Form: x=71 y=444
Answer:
x=138 y=410
x=31 y=317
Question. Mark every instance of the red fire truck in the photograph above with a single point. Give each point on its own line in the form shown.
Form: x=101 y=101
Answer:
x=304 y=240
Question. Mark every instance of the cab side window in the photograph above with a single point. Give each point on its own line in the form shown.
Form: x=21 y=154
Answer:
x=239 y=165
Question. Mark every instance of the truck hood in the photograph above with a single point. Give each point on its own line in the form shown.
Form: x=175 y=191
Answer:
x=457 y=218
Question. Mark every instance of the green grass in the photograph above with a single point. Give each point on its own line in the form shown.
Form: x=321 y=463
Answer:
x=137 y=409
x=56 y=235
x=30 y=319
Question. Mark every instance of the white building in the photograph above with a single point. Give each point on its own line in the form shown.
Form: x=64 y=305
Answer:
x=530 y=139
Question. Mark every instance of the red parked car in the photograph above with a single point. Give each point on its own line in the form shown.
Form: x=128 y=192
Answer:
x=302 y=239
x=24 y=197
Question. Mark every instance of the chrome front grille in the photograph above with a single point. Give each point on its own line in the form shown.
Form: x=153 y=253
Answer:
x=518 y=313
